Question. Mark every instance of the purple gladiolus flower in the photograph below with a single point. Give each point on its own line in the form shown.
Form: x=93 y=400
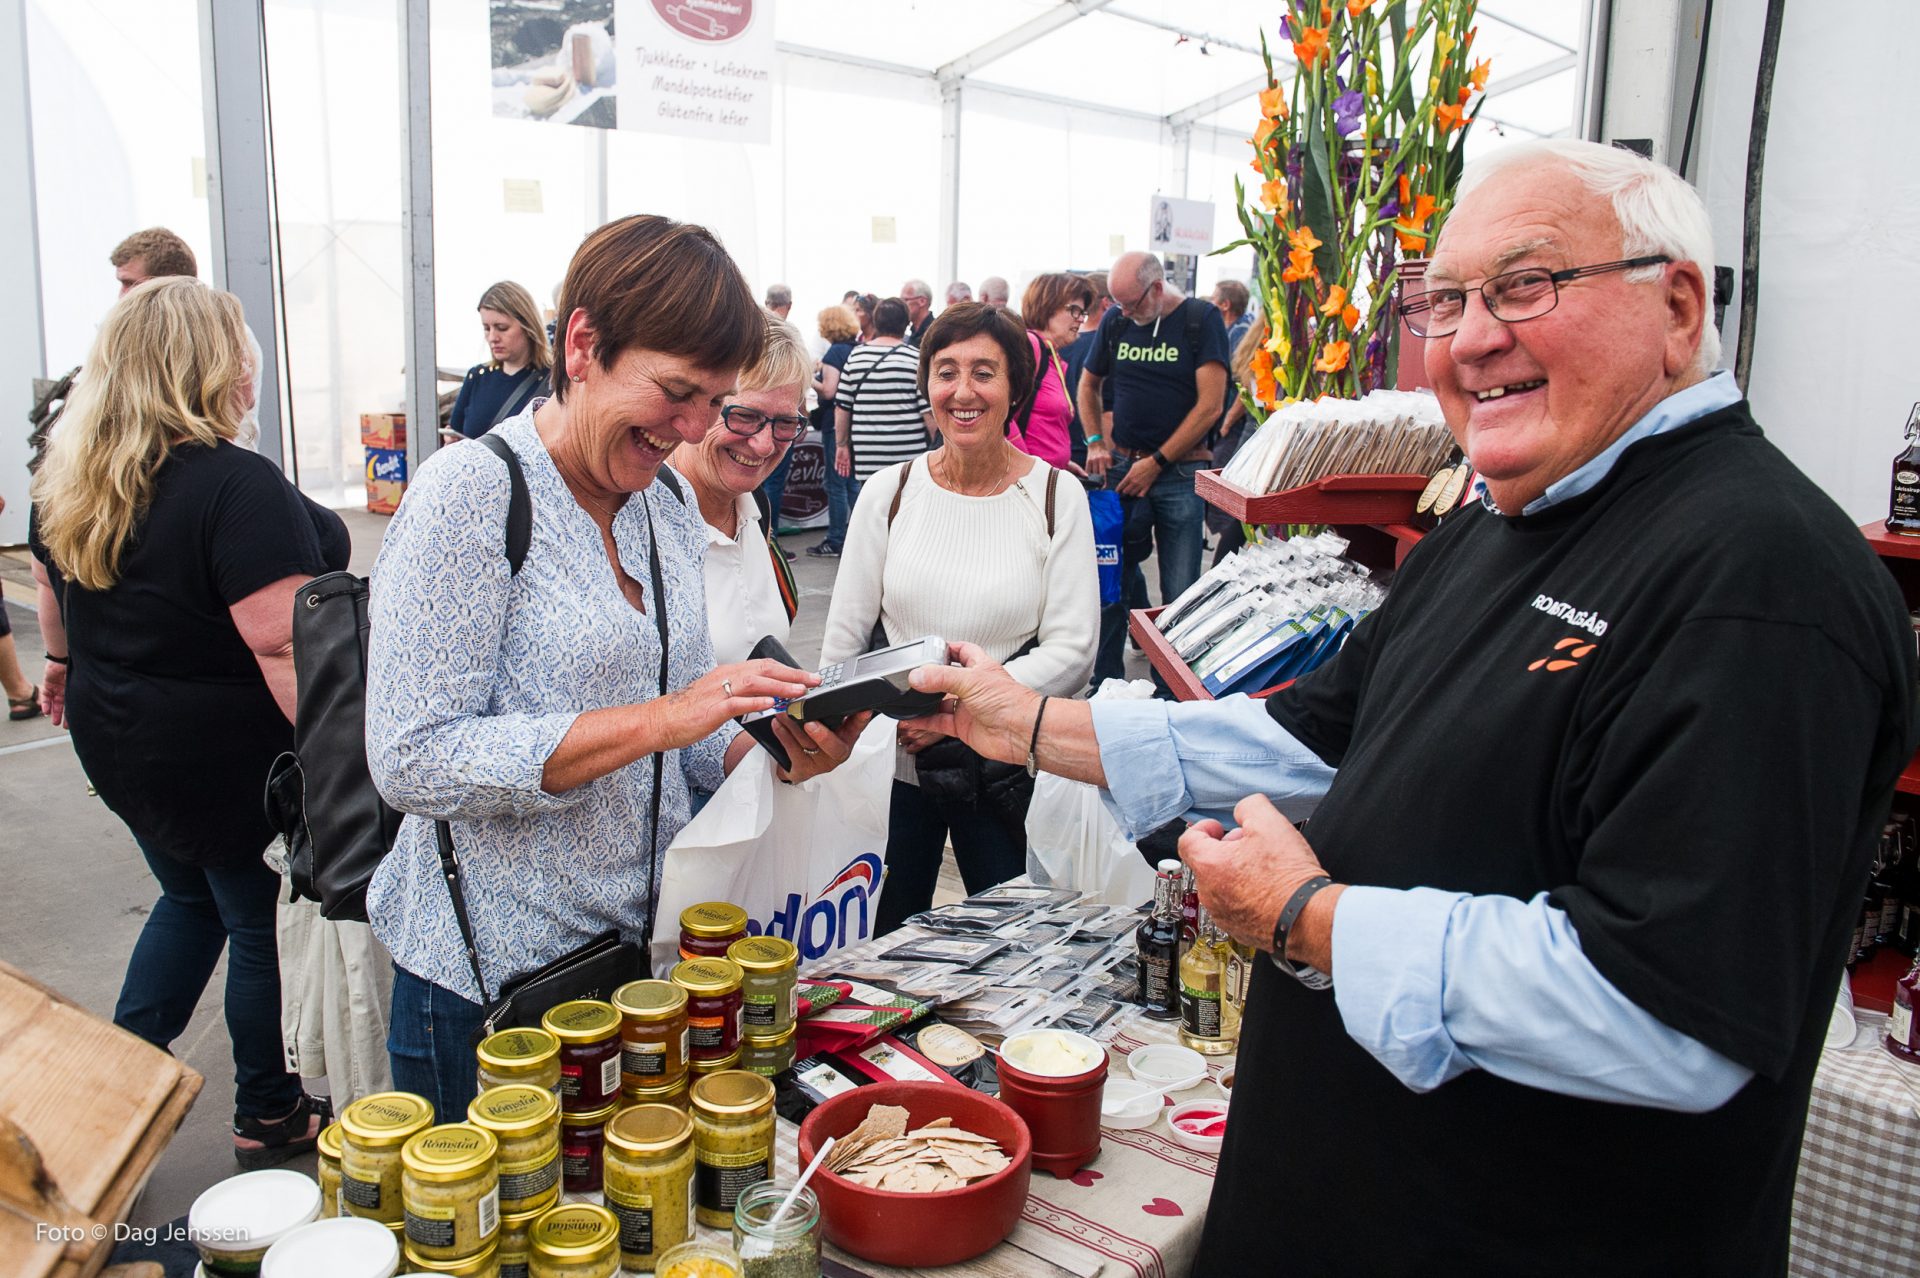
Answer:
x=1286 y=31
x=1348 y=109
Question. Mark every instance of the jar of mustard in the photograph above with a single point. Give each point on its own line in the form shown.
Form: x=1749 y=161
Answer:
x=732 y=1141
x=589 y=1034
x=372 y=1131
x=526 y=1121
x=713 y=1007
x=513 y=1246
x=767 y=1056
x=707 y=929
x=700 y=1259
x=769 y=968
x=484 y=1265
x=649 y=1182
x=327 y=1170
x=583 y=1143
x=674 y=1094
x=575 y=1240
x=451 y=1187
x=530 y=1056
x=653 y=1033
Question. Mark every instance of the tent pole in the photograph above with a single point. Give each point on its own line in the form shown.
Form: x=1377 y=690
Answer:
x=416 y=234
x=950 y=180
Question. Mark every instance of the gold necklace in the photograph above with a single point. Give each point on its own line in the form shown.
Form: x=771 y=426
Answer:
x=951 y=485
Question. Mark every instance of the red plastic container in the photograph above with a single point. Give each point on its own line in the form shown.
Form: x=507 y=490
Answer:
x=914 y=1231
x=1062 y=1114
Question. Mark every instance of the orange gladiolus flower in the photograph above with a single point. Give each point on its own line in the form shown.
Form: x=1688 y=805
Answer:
x=1466 y=91
x=1303 y=238
x=1273 y=103
x=1311 y=47
x=1273 y=195
x=1332 y=359
x=1299 y=266
x=1263 y=362
x=1406 y=194
x=1326 y=14
x=1357 y=7
x=1449 y=117
x=1266 y=130
x=1350 y=317
x=1336 y=298
x=1478 y=76
x=1409 y=242
x=1410 y=227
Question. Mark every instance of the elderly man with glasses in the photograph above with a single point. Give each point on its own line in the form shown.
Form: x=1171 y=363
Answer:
x=919 y=300
x=1594 y=794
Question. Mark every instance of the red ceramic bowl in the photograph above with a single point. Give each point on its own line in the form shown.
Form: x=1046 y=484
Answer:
x=898 y=1229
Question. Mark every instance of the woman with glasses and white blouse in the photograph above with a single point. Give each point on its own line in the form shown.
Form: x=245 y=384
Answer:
x=1042 y=424
x=750 y=590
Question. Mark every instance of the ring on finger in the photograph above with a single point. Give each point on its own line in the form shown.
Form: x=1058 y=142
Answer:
x=808 y=750
x=726 y=686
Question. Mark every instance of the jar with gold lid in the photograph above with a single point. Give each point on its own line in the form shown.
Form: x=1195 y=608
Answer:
x=769 y=970
x=653 y=1034
x=732 y=1141
x=649 y=1183
x=327 y=1170
x=767 y=1056
x=528 y=1055
x=372 y=1131
x=706 y=1069
x=707 y=929
x=450 y=1185
x=713 y=1007
x=589 y=1034
x=574 y=1240
x=674 y=1094
x=513 y=1246
x=526 y=1121
x=484 y=1265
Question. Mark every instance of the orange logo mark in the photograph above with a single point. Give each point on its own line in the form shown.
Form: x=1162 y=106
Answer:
x=1568 y=660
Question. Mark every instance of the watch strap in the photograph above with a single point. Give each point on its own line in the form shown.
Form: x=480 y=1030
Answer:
x=1308 y=975
x=1160 y=459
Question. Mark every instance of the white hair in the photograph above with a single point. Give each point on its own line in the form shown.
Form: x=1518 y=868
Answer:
x=959 y=291
x=915 y=288
x=995 y=290
x=1657 y=210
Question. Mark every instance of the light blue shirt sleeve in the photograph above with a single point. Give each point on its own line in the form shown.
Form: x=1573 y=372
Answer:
x=1197 y=759
x=1436 y=983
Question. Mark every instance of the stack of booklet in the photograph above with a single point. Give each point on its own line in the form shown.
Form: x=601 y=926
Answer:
x=1387 y=432
x=1268 y=613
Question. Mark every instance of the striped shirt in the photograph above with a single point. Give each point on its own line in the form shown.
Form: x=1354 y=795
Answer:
x=880 y=387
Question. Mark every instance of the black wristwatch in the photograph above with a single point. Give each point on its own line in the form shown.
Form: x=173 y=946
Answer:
x=1160 y=459
x=1307 y=974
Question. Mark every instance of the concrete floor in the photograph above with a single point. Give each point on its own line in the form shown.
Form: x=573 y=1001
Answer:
x=78 y=892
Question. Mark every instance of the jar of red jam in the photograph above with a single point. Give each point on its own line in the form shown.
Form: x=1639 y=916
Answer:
x=589 y=1034
x=707 y=929
x=653 y=1034
x=713 y=1006
x=583 y=1150
x=1903 y=1035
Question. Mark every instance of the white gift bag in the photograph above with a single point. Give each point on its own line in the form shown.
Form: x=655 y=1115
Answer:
x=804 y=861
x=1073 y=840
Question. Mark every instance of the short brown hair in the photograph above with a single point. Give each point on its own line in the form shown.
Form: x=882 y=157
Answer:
x=650 y=283
x=839 y=324
x=1234 y=294
x=160 y=250
x=1052 y=293
x=963 y=320
x=1098 y=280
x=889 y=318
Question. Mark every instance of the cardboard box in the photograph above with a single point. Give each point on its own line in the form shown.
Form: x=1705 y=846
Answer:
x=383 y=430
x=386 y=479
x=85 y=1111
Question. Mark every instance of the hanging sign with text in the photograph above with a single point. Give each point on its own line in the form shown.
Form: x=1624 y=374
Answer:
x=696 y=68
x=1182 y=227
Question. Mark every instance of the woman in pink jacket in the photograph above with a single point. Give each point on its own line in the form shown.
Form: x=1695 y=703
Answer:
x=1054 y=306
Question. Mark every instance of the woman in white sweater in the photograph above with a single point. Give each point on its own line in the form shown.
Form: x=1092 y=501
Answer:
x=975 y=541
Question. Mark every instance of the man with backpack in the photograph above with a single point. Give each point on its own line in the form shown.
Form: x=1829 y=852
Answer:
x=1166 y=354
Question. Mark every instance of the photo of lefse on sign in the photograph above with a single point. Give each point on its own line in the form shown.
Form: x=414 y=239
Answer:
x=696 y=68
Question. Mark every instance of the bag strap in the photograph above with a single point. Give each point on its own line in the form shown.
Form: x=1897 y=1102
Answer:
x=893 y=508
x=782 y=570
x=443 y=832
x=672 y=481
x=516 y=400
x=1053 y=480
x=519 y=503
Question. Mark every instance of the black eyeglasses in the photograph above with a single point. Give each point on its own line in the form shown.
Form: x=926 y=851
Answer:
x=748 y=422
x=1076 y=310
x=1511 y=297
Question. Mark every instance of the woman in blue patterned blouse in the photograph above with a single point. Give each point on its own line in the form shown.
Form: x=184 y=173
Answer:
x=526 y=709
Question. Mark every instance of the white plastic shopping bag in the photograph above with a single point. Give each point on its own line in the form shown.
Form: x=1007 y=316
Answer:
x=1073 y=840
x=804 y=861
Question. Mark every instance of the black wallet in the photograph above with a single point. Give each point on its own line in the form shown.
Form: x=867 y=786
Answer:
x=760 y=728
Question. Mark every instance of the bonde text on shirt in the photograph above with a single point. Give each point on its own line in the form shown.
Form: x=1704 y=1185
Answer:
x=1164 y=353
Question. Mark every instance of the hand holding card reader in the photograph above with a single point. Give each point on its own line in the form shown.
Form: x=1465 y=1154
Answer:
x=875 y=681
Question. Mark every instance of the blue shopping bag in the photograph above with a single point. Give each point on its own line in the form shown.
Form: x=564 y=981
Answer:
x=1107 y=525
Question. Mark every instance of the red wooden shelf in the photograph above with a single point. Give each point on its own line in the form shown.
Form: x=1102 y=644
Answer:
x=1337 y=499
x=1872 y=981
x=1909 y=781
x=1161 y=656
x=1890 y=545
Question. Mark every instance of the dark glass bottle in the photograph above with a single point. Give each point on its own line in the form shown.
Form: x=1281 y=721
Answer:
x=1158 y=941
x=1884 y=888
x=1903 y=507
x=1902 y=1039
x=1189 y=908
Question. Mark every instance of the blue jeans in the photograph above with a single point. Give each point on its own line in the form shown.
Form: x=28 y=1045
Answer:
x=202 y=910
x=775 y=487
x=430 y=1041
x=1170 y=515
x=917 y=830
x=840 y=495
